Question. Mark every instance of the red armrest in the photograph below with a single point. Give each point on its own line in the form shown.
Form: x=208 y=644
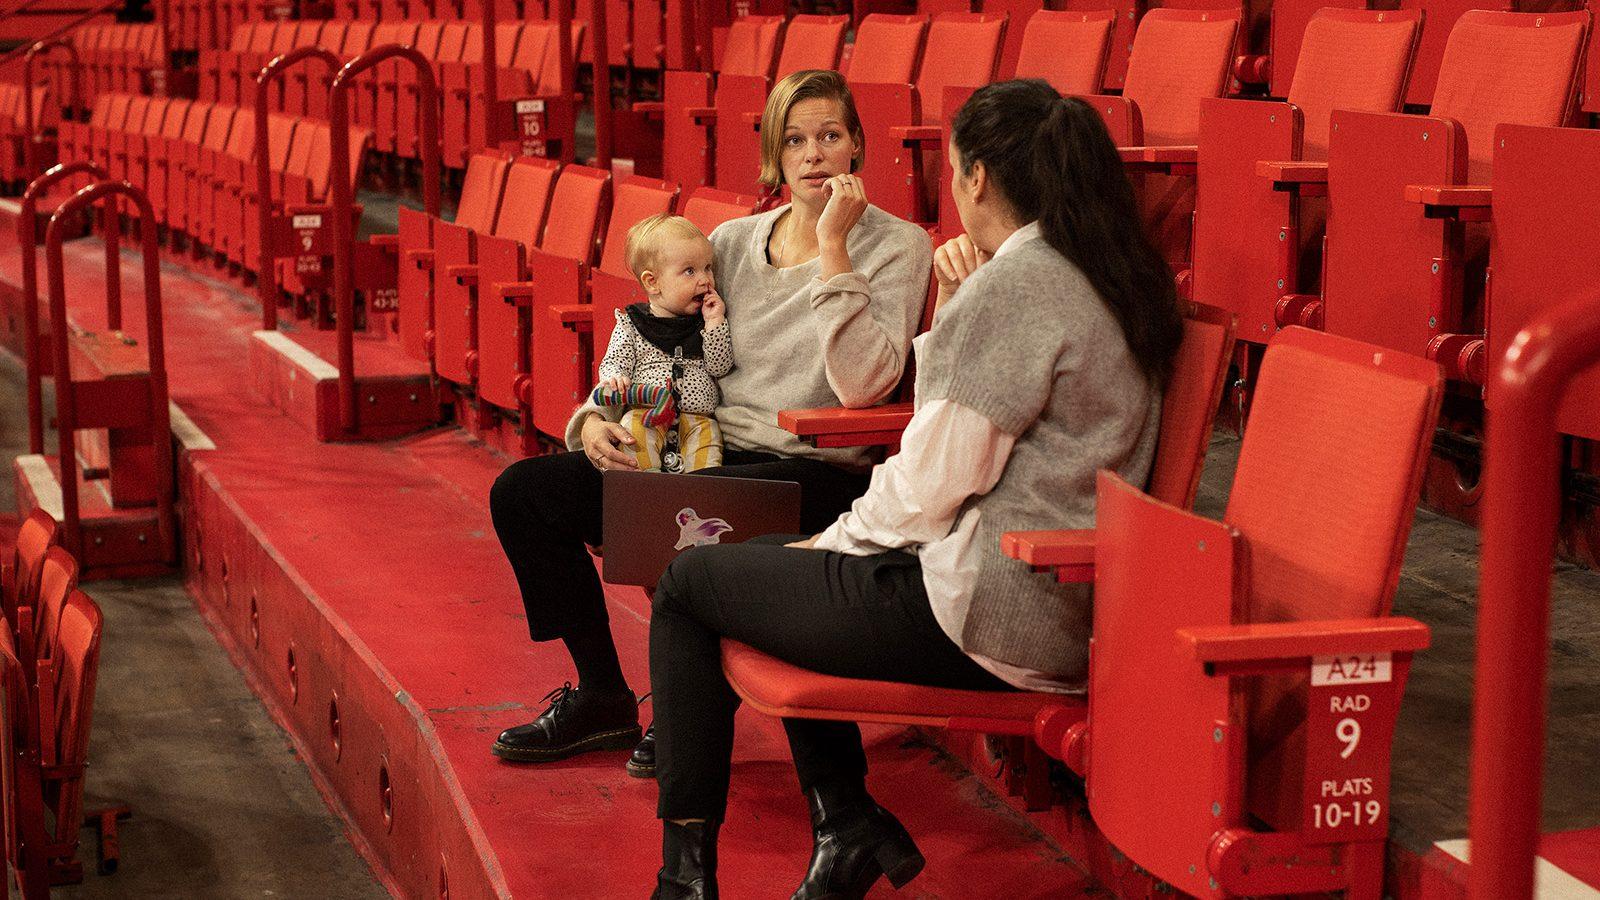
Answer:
x=1178 y=154
x=1466 y=202
x=1068 y=553
x=702 y=114
x=422 y=259
x=1299 y=640
x=1308 y=178
x=573 y=315
x=912 y=134
x=650 y=107
x=754 y=119
x=466 y=273
x=833 y=426
x=515 y=291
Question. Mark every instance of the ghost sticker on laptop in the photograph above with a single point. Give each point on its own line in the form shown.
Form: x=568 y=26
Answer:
x=694 y=531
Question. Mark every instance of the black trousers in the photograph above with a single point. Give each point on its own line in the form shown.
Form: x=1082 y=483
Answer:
x=851 y=616
x=546 y=508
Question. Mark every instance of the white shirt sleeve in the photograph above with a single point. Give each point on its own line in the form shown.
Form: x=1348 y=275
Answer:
x=948 y=454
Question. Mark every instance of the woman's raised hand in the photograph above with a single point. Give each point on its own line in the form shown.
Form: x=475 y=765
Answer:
x=603 y=442
x=847 y=200
x=954 y=261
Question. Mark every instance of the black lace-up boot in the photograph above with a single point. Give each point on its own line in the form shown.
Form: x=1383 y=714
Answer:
x=642 y=764
x=857 y=842
x=688 y=862
x=576 y=721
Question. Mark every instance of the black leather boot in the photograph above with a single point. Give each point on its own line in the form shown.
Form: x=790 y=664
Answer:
x=857 y=842
x=642 y=764
x=688 y=862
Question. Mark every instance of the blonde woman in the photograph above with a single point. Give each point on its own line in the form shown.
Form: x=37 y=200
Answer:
x=824 y=295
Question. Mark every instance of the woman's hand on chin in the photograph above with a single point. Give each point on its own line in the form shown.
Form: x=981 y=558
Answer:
x=847 y=200
x=603 y=442
x=953 y=263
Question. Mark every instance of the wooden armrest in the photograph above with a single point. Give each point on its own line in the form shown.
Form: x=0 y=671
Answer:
x=650 y=107
x=465 y=273
x=1180 y=153
x=421 y=258
x=1309 y=178
x=1301 y=640
x=1050 y=548
x=701 y=113
x=573 y=313
x=839 y=427
x=1466 y=202
x=914 y=134
x=515 y=291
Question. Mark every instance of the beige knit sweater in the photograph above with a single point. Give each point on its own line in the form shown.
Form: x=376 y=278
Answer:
x=803 y=342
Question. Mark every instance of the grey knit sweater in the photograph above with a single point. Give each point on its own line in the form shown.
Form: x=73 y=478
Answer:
x=804 y=342
x=1028 y=343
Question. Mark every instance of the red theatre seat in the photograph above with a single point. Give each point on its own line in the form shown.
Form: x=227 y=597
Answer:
x=1406 y=246
x=1205 y=634
x=689 y=116
x=1249 y=239
x=20 y=573
x=778 y=688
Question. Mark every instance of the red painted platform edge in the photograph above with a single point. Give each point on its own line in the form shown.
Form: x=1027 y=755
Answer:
x=196 y=477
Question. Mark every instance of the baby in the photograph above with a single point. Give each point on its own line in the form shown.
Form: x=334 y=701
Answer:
x=665 y=355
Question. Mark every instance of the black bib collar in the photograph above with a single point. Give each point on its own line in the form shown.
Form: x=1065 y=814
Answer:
x=669 y=334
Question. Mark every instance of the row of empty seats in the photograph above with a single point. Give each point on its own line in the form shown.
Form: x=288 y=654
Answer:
x=195 y=161
x=113 y=58
x=49 y=662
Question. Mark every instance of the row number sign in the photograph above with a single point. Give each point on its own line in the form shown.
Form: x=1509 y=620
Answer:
x=1349 y=725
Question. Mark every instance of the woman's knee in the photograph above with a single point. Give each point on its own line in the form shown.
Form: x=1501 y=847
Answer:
x=687 y=571
x=513 y=487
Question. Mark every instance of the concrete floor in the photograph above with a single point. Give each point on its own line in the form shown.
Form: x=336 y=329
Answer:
x=222 y=806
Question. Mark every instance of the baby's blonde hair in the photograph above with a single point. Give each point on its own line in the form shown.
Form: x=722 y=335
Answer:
x=646 y=237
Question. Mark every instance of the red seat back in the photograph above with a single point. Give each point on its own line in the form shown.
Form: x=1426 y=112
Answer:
x=58 y=578
x=812 y=42
x=1067 y=49
x=709 y=207
x=963 y=50
x=1439 y=20
x=887 y=49
x=576 y=213
x=1189 y=405
x=1179 y=57
x=1351 y=59
x=528 y=186
x=77 y=670
x=37 y=534
x=1508 y=68
x=481 y=189
x=752 y=46
x=633 y=199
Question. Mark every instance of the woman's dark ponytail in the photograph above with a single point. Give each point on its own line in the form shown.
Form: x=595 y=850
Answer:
x=1065 y=172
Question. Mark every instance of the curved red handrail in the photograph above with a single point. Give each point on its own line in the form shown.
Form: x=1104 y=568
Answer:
x=267 y=278
x=27 y=240
x=66 y=408
x=30 y=151
x=1521 y=507
x=343 y=204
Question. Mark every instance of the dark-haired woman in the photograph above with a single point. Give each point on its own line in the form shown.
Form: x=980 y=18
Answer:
x=1045 y=364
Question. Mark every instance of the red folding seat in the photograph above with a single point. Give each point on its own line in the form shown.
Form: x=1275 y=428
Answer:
x=368 y=89
x=479 y=202
x=453 y=38
x=688 y=116
x=456 y=84
x=809 y=42
x=1205 y=634
x=163 y=152
x=230 y=168
x=1397 y=271
x=231 y=129
x=558 y=272
x=455 y=285
x=617 y=31
x=242 y=240
x=107 y=137
x=780 y=689
x=183 y=172
x=238 y=82
x=648 y=35
x=1180 y=58
x=1018 y=14
x=319 y=80
x=216 y=66
x=962 y=54
x=20 y=573
x=142 y=142
x=1438 y=23
x=1125 y=23
x=397 y=85
x=1245 y=232
x=65 y=726
x=298 y=82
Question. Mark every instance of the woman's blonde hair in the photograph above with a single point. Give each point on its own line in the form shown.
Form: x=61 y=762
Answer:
x=807 y=84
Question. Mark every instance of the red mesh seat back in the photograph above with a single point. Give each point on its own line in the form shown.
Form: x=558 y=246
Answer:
x=1508 y=68
x=37 y=534
x=480 y=190
x=812 y=42
x=528 y=186
x=963 y=50
x=752 y=46
x=1067 y=49
x=576 y=209
x=1351 y=59
x=887 y=49
x=58 y=577
x=709 y=207
x=1179 y=58
x=1189 y=406
x=1328 y=480
x=632 y=199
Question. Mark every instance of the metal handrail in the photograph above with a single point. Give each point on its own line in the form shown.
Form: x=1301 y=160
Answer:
x=267 y=277
x=66 y=408
x=343 y=203
x=1521 y=509
x=97 y=11
x=30 y=150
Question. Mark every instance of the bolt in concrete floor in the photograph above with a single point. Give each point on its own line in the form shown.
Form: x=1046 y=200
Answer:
x=222 y=807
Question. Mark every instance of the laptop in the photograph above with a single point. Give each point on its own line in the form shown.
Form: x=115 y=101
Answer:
x=651 y=517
